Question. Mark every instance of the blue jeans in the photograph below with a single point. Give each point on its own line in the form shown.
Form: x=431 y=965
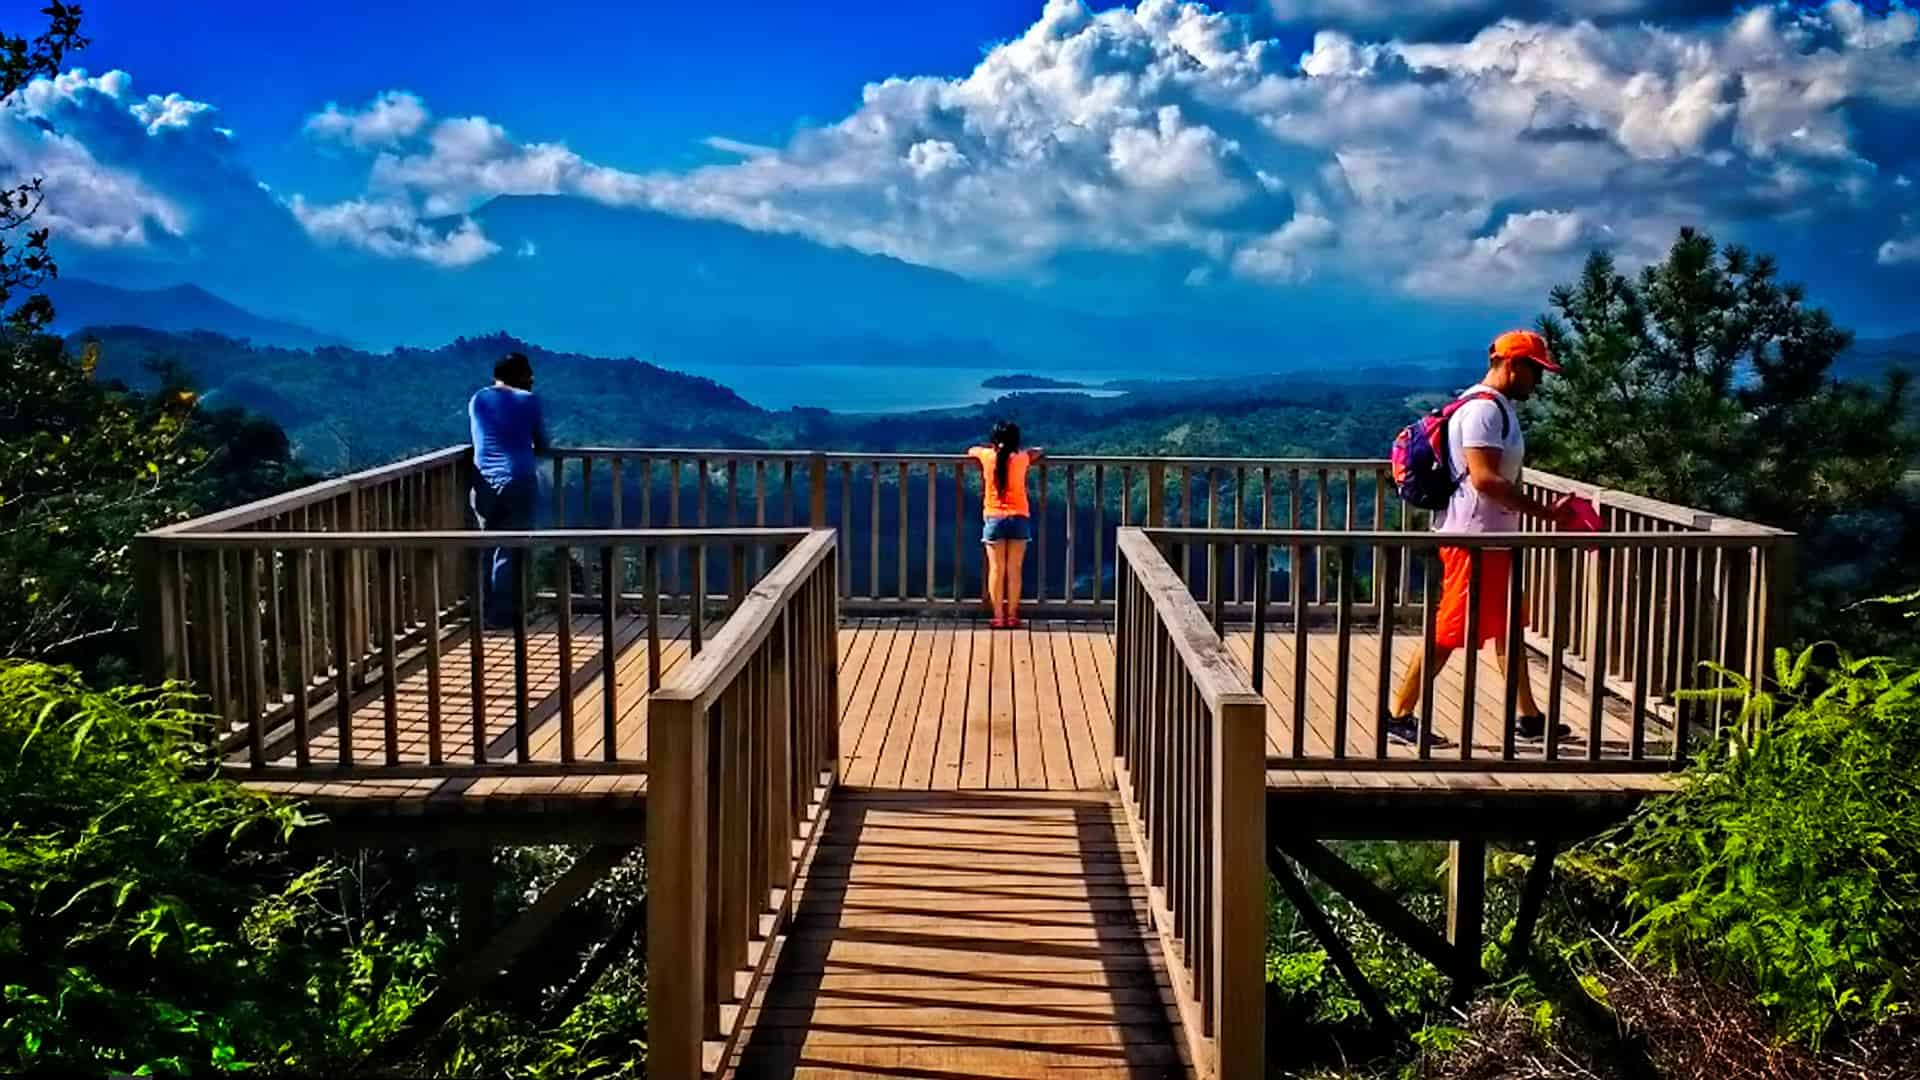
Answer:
x=1009 y=527
x=504 y=507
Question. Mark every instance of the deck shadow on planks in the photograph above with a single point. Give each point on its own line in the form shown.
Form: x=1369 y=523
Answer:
x=887 y=971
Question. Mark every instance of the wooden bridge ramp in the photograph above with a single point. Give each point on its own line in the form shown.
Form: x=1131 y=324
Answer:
x=974 y=907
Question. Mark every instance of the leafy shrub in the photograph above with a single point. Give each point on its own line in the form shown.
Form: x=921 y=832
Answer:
x=1302 y=976
x=1790 y=860
x=150 y=918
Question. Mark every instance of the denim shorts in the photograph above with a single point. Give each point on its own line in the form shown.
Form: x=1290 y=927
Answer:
x=1011 y=527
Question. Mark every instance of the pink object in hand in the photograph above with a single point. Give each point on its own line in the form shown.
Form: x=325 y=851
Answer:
x=1575 y=514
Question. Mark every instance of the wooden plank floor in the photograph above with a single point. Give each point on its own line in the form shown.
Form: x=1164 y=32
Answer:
x=963 y=935
x=940 y=705
x=1363 y=704
x=497 y=694
x=926 y=705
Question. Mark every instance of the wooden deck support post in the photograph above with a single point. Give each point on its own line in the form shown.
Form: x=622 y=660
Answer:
x=1776 y=600
x=1467 y=906
x=677 y=898
x=476 y=897
x=1532 y=895
x=1239 y=890
x=817 y=491
x=155 y=578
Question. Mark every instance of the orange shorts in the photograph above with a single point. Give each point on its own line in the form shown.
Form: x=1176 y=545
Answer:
x=1450 y=622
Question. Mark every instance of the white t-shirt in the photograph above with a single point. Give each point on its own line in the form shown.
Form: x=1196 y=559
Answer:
x=1478 y=424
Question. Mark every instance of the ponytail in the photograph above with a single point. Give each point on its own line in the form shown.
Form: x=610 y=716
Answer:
x=1006 y=442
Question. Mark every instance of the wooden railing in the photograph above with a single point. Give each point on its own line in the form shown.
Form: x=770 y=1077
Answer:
x=1189 y=738
x=909 y=523
x=289 y=635
x=743 y=755
x=1681 y=597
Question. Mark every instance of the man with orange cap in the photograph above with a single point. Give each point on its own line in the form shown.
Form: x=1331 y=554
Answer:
x=1485 y=451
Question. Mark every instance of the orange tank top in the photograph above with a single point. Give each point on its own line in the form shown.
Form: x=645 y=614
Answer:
x=1013 y=501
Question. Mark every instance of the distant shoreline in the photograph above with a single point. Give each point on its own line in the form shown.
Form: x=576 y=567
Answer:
x=1031 y=382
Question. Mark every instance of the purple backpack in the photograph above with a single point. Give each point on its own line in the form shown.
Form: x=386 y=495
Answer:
x=1422 y=472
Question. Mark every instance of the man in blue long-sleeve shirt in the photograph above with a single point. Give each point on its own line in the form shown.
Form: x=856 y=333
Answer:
x=507 y=428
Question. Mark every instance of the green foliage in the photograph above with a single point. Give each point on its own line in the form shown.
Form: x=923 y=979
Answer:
x=150 y=917
x=604 y=1036
x=86 y=465
x=1304 y=978
x=154 y=918
x=1790 y=861
x=1708 y=382
x=112 y=911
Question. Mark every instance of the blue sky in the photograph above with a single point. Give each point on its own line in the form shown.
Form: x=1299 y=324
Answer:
x=1425 y=165
x=637 y=86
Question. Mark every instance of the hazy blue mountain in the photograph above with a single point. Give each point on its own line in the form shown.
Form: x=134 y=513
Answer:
x=622 y=280
x=1871 y=359
x=79 y=303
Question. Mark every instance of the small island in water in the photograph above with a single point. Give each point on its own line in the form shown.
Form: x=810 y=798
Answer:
x=1031 y=382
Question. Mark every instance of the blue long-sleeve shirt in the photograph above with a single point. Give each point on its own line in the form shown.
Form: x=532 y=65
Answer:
x=507 y=428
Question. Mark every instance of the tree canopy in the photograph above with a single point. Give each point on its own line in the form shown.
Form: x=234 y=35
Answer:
x=1708 y=381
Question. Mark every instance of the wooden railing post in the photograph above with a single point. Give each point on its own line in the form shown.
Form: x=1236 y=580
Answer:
x=156 y=577
x=1156 y=494
x=1240 y=889
x=677 y=886
x=817 y=491
x=1776 y=599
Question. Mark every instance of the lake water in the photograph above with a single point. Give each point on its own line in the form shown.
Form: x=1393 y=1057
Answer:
x=853 y=388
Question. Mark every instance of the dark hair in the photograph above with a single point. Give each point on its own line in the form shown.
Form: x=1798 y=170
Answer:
x=510 y=367
x=1005 y=438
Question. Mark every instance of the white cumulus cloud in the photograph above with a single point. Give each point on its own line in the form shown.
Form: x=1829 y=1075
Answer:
x=1478 y=164
x=172 y=111
x=389 y=118
x=49 y=130
x=393 y=230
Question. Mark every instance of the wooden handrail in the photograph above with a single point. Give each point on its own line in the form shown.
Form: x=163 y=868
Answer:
x=1426 y=541
x=700 y=682
x=469 y=538
x=259 y=510
x=743 y=752
x=1214 y=673
x=1604 y=497
x=296 y=636
x=1636 y=615
x=1189 y=736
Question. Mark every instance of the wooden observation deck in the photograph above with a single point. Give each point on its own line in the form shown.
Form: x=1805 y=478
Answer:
x=885 y=840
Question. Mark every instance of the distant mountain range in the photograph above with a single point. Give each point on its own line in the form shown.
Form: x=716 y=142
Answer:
x=79 y=303
x=1871 y=359
x=699 y=291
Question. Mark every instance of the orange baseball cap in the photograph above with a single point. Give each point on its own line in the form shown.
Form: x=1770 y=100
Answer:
x=1524 y=345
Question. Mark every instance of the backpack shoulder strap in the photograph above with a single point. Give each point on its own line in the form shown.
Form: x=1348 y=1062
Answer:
x=1506 y=419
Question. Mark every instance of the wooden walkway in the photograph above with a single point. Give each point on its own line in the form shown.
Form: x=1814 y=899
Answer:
x=973 y=907
x=963 y=935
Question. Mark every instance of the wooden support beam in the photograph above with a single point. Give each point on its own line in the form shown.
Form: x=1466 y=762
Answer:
x=1330 y=940
x=496 y=955
x=1380 y=906
x=1466 y=901
x=476 y=899
x=1532 y=895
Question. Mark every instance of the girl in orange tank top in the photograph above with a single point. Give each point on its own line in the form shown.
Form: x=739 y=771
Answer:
x=1003 y=468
